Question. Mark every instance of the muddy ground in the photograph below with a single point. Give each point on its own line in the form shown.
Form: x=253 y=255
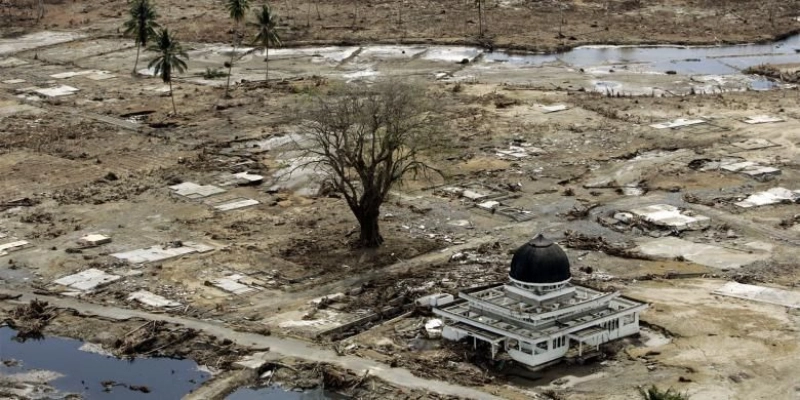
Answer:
x=102 y=160
x=532 y=25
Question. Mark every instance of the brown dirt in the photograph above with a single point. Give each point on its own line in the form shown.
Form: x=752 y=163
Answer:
x=530 y=25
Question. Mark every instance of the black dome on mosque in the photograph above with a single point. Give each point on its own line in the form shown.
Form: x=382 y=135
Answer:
x=540 y=261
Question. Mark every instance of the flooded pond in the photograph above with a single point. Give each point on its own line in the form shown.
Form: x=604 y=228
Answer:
x=65 y=367
x=635 y=69
x=689 y=60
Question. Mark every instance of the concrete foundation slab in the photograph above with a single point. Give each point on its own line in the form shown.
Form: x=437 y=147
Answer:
x=100 y=76
x=763 y=119
x=231 y=284
x=553 y=108
x=6 y=110
x=489 y=205
x=786 y=298
x=771 y=196
x=195 y=191
x=236 y=204
x=87 y=280
x=71 y=74
x=6 y=248
x=58 y=91
x=754 y=144
x=703 y=254
x=678 y=123
x=156 y=88
x=160 y=253
x=35 y=40
x=667 y=216
x=9 y=62
x=152 y=299
x=473 y=195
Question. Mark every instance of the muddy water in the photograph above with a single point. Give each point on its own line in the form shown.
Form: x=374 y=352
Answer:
x=277 y=393
x=81 y=372
x=689 y=60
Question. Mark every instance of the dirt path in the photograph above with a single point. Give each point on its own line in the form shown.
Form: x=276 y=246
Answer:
x=283 y=346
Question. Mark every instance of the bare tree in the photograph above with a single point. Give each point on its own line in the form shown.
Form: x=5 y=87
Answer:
x=367 y=139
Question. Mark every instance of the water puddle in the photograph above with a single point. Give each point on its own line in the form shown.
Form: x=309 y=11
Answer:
x=60 y=364
x=278 y=393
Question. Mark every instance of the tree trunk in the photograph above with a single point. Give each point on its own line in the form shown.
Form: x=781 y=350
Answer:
x=266 y=60
x=230 y=65
x=370 y=232
x=136 y=64
x=40 y=11
x=172 y=96
x=480 y=19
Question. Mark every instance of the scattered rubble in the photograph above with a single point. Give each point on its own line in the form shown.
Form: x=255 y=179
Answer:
x=152 y=300
x=579 y=241
x=733 y=164
x=29 y=320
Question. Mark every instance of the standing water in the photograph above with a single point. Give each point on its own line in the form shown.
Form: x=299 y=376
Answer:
x=82 y=372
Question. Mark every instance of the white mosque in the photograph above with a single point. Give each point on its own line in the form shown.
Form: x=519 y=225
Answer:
x=538 y=315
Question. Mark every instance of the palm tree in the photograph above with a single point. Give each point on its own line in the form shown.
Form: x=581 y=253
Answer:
x=171 y=58
x=141 y=25
x=267 y=33
x=236 y=9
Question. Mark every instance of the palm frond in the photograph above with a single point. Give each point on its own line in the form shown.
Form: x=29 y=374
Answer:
x=237 y=9
x=171 y=57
